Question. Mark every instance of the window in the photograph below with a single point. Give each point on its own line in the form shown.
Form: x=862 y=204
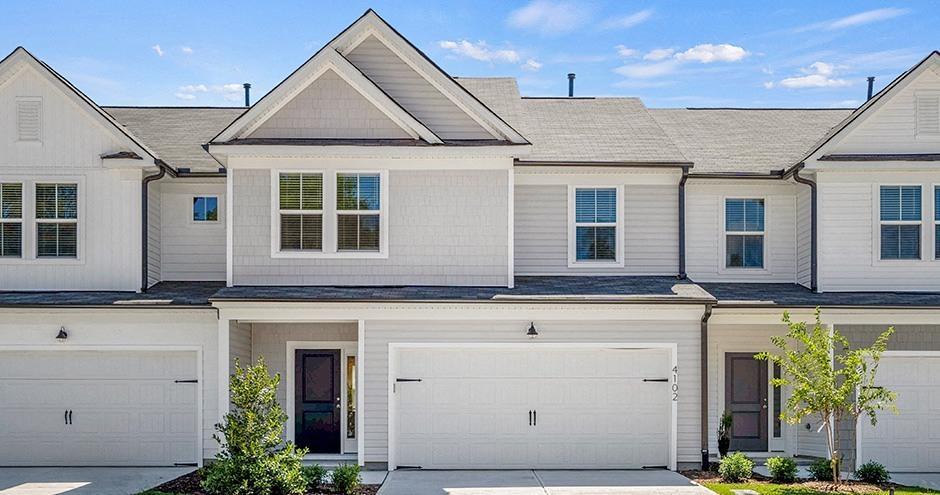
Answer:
x=357 y=212
x=205 y=209
x=350 y=396
x=778 y=404
x=595 y=224
x=744 y=233
x=29 y=119
x=301 y=212
x=928 y=114
x=11 y=220
x=900 y=222
x=56 y=220
x=936 y=222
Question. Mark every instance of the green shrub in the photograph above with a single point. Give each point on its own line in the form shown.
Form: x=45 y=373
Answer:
x=735 y=467
x=251 y=459
x=315 y=476
x=873 y=472
x=820 y=470
x=782 y=469
x=346 y=479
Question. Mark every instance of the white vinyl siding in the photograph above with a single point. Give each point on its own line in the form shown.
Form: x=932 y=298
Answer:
x=928 y=114
x=155 y=232
x=804 y=246
x=11 y=220
x=193 y=251
x=29 y=119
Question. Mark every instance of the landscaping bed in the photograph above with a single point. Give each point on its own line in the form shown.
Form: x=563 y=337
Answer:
x=765 y=486
x=191 y=484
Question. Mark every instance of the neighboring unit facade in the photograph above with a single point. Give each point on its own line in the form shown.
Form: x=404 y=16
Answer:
x=447 y=274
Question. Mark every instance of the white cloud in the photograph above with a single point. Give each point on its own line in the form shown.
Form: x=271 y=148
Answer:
x=479 y=51
x=769 y=85
x=231 y=92
x=659 y=54
x=531 y=65
x=817 y=75
x=866 y=17
x=185 y=96
x=194 y=88
x=646 y=71
x=625 y=52
x=707 y=53
x=628 y=21
x=156 y=49
x=187 y=50
x=549 y=17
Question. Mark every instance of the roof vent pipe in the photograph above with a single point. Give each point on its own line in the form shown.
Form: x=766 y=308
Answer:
x=871 y=86
x=247 y=87
x=570 y=84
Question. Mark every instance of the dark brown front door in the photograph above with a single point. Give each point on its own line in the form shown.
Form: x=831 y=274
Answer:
x=317 y=421
x=746 y=399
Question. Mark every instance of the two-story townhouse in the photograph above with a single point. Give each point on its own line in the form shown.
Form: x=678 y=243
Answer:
x=447 y=274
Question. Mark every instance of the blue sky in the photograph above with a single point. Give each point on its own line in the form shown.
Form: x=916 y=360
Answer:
x=670 y=53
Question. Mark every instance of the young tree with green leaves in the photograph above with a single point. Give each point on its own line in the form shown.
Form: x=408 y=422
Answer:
x=828 y=379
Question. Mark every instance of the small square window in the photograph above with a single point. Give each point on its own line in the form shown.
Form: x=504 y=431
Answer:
x=205 y=209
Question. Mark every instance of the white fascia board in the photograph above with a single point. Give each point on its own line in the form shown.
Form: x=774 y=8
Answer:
x=231 y=152
x=869 y=166
x=832 y=315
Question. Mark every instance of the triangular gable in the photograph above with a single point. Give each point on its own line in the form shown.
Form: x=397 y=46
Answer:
x=20 y=57
x=327 y=59
x=371 y=27
x=870 y=107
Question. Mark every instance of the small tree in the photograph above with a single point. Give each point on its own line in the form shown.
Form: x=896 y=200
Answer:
x=251 y=458
x=828 y=380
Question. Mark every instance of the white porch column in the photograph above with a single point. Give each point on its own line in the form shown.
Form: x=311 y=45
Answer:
x=225 y=361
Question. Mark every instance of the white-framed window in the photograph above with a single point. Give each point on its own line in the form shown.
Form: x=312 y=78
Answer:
x=358 y=211
x=205 y=209
x=744 y=233
x=56 y=220
x=11 y=220
x=300 y=213
x=900 y=220
x=29 y=119
x=936 y=222
x=595 y=235
x=927 y=109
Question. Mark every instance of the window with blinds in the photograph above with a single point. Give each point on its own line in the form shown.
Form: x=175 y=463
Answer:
x=29 y=119
x=301 y=211
x=928 y=114
x=936 y=222
x=595 y=224
x=358 y=212
x=11 y=220
x=56 y=220
x=744 y=233
x=900 y=222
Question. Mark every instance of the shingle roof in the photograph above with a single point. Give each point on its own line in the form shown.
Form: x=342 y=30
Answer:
x=792 y=295
x=578 y=129
x=745 y=140
x=161 y=294
x=177 y=134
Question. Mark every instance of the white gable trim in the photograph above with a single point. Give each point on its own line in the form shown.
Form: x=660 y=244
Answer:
x=326 y=59
x=21 y=59
x=370 y=24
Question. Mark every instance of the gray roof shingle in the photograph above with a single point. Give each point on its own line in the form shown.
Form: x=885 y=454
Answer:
x=720 y=140
x=177 y=134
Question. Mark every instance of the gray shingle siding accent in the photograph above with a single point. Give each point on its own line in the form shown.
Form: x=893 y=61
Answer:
x=446 y=227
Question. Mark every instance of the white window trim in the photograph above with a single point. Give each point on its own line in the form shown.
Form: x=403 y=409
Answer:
x=39 y=141
x=38 y=221
x=877 y=223
x=933 y=222
x=219 y=207
x=30 y=222
x=723 y=234
x=329 y=212
x=573 y=261
x=918 y=134
x=21 y=220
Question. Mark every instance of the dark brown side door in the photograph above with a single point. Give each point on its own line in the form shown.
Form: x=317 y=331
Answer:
x=317 y=418
x=746 y=399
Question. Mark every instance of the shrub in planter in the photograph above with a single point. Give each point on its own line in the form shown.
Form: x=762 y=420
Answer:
x=735 y=467
x=315 y=476
x=873 y=472
x=724 y=433
x=820 y=470
x=251 y=458
x=782 y=469
x=346 y=479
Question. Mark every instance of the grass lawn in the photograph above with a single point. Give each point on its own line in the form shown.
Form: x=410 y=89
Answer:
x=774 y=489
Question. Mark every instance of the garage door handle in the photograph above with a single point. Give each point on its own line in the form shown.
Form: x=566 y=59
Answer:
x=530 y=417
x=535 y=418
x=66 y=418
x=70 y=416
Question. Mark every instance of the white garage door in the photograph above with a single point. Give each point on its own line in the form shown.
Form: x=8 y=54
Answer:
x=68 y=408
x=910 y=440
x=533 y=408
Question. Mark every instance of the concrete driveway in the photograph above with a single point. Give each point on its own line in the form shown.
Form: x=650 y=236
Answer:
x=84 y=481
x=923 y=480
x=538 y=483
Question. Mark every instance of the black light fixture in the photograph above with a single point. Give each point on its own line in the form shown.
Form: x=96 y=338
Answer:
x=62 y=336
x=532 y=332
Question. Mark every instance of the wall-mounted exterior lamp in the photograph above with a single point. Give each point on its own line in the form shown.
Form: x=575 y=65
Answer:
x=532 y=332
x=62 y=336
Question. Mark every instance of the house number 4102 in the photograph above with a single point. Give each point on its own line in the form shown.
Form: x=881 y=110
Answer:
x=675 y=383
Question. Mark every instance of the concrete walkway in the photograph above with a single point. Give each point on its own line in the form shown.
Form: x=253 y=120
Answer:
x=84 y=481
x=539 y=483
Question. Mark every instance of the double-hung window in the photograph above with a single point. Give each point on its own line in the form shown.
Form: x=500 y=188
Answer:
x=11 y=220
x=205 y=209
x=936 y=222
x=744 y=233
x=358 y=208
x=301 y=211
x=595 y=224
x=900 y=217
x=56 y=220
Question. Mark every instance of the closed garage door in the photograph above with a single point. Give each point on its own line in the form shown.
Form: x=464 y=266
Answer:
x=910 y=440
x=533 y=407
x=85 y=408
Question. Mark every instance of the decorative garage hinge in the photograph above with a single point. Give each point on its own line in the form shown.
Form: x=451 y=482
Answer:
x=663 y=380
x=185 y=464
x=403 y=380
x=185 y=381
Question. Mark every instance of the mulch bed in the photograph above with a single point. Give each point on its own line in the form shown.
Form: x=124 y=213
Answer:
x=191 y=484
x=847 y=486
